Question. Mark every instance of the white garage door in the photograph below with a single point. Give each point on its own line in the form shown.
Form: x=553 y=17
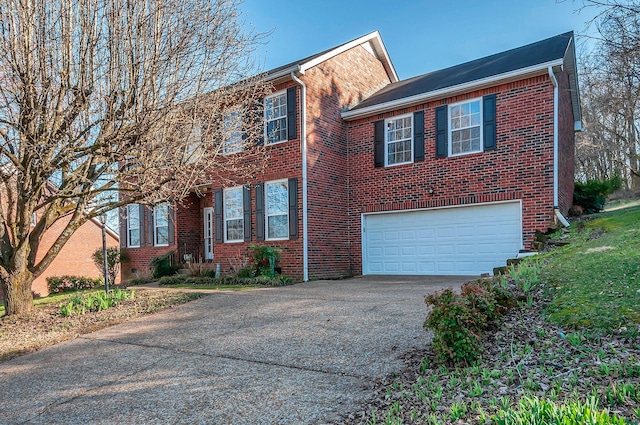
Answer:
x=467 y=240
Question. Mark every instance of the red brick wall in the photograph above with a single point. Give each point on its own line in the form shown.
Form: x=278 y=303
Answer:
x=520 y=168
x=566 y=144
x=333 y=86
x=75 y=257
x=337 y=83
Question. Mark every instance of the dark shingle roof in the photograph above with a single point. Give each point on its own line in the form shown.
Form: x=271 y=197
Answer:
x=544 y=51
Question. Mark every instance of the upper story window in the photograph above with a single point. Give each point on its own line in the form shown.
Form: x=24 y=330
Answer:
x=193 y=148
x=277 y=209
x=233 y=215
x=161 y=225
x=398 y=140
x=232 y=131
x=133 y=226
x=275 y=117
x=465 y=132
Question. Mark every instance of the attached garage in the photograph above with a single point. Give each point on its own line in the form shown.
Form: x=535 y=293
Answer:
x=466 y=240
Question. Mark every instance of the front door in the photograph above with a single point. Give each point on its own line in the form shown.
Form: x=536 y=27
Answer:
x=208 y=233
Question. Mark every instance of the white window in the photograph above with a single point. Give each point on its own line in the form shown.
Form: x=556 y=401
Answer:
x=398 y=140
x=232 y=132
x=161 y=225
x=193 y=148
x=275 y=117
x=233 y=219
x=277 y=209
x=133 y=225
x=465 y=130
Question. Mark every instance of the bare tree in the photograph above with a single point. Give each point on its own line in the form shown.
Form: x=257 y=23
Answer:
x=102 y=96
x=611 y=95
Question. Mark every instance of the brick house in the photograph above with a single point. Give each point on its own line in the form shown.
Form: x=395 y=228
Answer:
x=75 y=256
x=450 y=172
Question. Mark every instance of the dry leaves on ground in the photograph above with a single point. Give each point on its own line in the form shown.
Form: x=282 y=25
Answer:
x=45 y=326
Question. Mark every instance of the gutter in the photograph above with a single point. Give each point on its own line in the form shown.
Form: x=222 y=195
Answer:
x=303 y=148
x=556 y=209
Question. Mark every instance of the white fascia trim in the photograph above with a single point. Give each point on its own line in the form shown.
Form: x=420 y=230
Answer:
x=284 y=73
x=423 y=97
x=379 y=47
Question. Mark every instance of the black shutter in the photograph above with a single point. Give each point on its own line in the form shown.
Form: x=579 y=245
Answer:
x=293 y=208
x=246 y=207
x=489 y=121
x=378 y=144
x=292 y=109
x=418 y=136
x=171 y=224
x=442 y=130
x=258 y=121
x=217 y=210
x=149 y=226
x=260 y=211
x=123 y=226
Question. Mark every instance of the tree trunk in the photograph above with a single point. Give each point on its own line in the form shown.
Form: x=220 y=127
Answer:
x=17 y=293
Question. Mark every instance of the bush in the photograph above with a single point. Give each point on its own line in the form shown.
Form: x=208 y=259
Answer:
x=592 y=195
x=114 y=258
x=226 y=281
x=60 y=284
x=264 y=259
x=163 y=265
x=458 y=320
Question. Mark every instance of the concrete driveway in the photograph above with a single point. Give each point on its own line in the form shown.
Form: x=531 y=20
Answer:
x=303 y=354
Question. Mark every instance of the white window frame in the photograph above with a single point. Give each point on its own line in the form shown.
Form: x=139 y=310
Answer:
x=136 y=210
x=387 y=142
x=193 y=148
x=282 y=93
x=232 y=132
x=450 y=130
x=156 y=226
x=226 y=217
x=267 y=214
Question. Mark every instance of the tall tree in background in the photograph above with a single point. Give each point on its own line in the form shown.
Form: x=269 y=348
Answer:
x=610 y=84
x=101 y=96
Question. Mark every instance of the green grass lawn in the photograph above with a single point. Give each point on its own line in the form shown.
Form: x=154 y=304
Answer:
x=56 y=298
x=213 y=287
x=596 y=278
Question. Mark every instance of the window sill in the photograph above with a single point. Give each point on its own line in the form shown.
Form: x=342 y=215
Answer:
x=277 y=239
x=399 y=163
x=465 y=153
x=235 y=241
x=275 y=143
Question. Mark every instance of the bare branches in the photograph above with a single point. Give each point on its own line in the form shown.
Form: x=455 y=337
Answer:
x=102 y=96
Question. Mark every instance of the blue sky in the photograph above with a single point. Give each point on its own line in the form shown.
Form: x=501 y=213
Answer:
x=420 y=35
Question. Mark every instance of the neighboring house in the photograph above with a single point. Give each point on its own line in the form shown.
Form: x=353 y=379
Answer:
x=74 y=259
x=451 y=172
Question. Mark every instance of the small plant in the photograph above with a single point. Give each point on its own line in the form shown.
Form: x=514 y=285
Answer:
x=163 y=265
x=80 y=305
x=264 y=259
x=115 y=256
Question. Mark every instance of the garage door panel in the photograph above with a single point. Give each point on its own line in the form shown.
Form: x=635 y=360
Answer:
x=461 y=240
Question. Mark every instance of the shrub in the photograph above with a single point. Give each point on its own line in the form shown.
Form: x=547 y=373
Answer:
x=114 y=258
x=592 y=195
x=60 y=284
x=264 y=259
x=458 y=320
x=163 y=265
x=226 y=281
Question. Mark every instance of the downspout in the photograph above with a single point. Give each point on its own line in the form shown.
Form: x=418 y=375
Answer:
x=303 y=148
x=556 y=208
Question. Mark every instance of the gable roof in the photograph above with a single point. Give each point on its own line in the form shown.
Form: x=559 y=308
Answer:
x=517 y=63
x=300 y=66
